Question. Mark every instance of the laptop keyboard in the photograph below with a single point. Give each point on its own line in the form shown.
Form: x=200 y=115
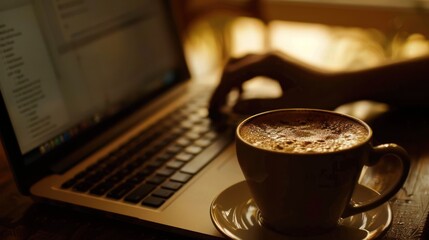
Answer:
x=152 y=166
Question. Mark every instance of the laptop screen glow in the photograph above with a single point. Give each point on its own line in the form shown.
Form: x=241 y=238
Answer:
x=68 y=65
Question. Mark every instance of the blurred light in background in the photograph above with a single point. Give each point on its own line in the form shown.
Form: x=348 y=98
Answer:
x=304 y=41
x=328 y=47
x=416 y=45
x=383 y=34
x=248 y=35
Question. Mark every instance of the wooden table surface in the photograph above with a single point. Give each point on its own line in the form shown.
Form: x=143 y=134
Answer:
x=22 y=218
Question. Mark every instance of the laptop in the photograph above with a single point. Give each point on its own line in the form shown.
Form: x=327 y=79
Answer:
x=98 y=112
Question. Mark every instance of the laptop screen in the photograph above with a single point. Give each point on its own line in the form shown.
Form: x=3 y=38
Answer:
x=67 y=66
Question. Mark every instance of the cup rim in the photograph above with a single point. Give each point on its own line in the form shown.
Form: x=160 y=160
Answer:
x=367 y=139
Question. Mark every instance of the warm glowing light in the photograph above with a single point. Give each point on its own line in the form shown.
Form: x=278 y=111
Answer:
x=247 y=36
x=327 y=47
x=202 y=49
x=332 y=48
x=416 y=45
x=306 y=42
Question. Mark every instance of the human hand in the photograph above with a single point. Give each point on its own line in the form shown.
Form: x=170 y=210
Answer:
x=301 y=84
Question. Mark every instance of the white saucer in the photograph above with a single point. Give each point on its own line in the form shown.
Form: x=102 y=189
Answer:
x=235 y=214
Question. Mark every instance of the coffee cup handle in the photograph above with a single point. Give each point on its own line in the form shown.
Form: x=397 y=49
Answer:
x=376 y=154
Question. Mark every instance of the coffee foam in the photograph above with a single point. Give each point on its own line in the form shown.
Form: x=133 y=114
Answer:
x=301 y=132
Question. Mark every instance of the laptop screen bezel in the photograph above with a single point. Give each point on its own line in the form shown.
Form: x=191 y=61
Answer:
x=28 y=172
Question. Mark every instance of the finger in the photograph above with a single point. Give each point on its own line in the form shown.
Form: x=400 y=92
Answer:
x=237 y=60
x=247 y=61
x=219 y=96
x=233 y=77
x=217 y=100
x=244 y=69
x=229 y=82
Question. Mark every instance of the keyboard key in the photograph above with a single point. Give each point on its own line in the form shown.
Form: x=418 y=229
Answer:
x=185 y=157
x=101 y=188
x=203 y=142
x=172 y=185
x=186 y=124
x=200 y=129
x=95 y=177
x=174 y=149
x=178 y=131
x=69 y=183
x=175 y=164
x=211 y=135
x=194 y=118
x=83 y=186
x=120 y=191
x=193 y=135
x=183 y=142
x=156 y=179
x=138 y=194
x=201 y=160
x=181 y=177
x=202 y=112
x=82 y=174
x=134 y=164
x=164 y=157
x=153 y=201
x=155 y=163
x=154 y=150
x=115 y=178
x=193 y=149
x=139 y=176
x=165 y=172
x=163 y=193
